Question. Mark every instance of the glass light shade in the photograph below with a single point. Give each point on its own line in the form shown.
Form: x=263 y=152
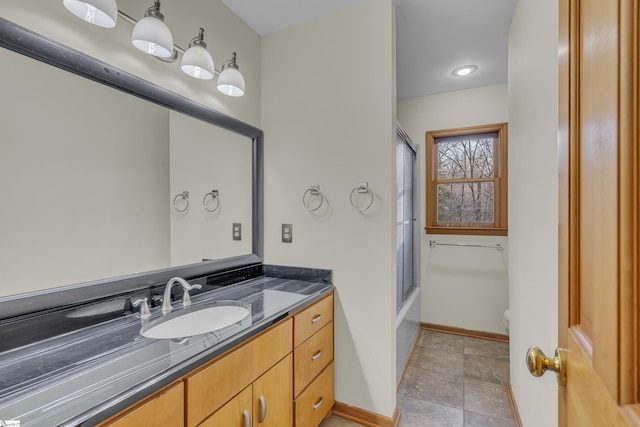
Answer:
x=231 y=82
x=152 y=36
x=103 y=13
x=198 y=63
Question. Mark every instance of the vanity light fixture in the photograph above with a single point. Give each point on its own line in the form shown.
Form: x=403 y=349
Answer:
x=465 y=70
x=196 y=61
x=230 y=80
x=151 y=35
x=103 y=13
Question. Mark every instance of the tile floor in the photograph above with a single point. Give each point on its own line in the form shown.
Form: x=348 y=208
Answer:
x=452 y=381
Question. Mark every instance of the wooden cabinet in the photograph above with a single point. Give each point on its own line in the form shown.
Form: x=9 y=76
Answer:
x=282 y=376
x=265 y=403
x=313 y=363
x=235 y=413
x=213 y=385
x=163 y=408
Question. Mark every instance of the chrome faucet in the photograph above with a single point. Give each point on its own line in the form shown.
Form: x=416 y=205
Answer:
x=144 y=307
x=186 y=299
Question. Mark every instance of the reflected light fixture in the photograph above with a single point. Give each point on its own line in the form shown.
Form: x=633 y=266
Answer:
x=230 y=80
x=465 y=70
x=151 y=35
x=196 y=61
x=103 y=13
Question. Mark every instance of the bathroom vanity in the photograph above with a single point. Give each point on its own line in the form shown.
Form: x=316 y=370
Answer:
x=77 y=356
x=275 y=365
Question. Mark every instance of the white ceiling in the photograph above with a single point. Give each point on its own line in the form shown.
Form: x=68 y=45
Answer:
x=433 y=37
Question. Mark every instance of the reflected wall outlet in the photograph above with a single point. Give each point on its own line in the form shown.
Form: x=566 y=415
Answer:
x=237 y=231
x=287 y=233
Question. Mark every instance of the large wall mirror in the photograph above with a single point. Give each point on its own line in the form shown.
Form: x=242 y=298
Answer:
x=92 y=185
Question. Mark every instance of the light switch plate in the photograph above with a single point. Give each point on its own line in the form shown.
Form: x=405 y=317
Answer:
x=237 y=231
x=287 y=233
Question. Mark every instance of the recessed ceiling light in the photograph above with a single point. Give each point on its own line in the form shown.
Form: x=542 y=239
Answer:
x=465 y=70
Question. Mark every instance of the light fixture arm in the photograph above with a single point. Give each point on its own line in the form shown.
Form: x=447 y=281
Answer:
x=155 y=11
x=230 y=63
x=198 y=40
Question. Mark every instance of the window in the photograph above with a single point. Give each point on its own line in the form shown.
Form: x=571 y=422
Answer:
x=467 y=181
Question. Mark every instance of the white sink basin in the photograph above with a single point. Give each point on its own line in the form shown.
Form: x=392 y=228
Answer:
x=198 y=320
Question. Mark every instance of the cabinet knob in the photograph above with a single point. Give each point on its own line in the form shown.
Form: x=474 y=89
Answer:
x=316 y=356
x=319 y=404
x=263 y=409
x=317 y=318
x=247 y=418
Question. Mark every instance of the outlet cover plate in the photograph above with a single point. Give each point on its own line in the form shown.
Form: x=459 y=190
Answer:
x=287 y=233
x=237 y=231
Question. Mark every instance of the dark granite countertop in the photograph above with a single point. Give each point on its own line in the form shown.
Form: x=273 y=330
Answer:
x=84 y=376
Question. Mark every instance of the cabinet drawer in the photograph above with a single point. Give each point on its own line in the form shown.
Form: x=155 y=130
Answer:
x=213 y=386
x=311 y=357
x=166 y=408
x=312 y=319
x=236 y=413
x=316 y=401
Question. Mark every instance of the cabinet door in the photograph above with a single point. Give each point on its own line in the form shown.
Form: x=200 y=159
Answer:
x=211 y=387
x=235 y=413
x=272 y=404
x=166 y=408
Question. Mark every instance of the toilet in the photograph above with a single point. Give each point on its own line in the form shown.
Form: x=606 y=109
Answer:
x=505 y=320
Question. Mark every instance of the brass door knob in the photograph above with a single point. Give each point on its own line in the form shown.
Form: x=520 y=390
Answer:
x=538 y=364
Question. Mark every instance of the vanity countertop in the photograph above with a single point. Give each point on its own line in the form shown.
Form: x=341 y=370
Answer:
x=85 y=376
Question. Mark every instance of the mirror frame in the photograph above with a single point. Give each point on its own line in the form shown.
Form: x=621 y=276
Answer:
x=26 y=42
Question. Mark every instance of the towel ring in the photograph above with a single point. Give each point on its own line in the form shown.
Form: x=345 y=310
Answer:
x=360 y=189
x=184 y=196
x=215 y=195
x=313 y=190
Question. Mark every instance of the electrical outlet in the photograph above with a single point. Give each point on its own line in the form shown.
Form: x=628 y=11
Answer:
x=287 y=233
x=237 y=231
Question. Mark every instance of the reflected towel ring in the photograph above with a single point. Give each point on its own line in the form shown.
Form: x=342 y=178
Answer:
x=313 y=190
x=215 y=195
x=360 y=189
x=184 y=196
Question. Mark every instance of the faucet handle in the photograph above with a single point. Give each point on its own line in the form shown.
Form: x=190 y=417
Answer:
x=189 y=286
x=186 y=298
x=144 y=307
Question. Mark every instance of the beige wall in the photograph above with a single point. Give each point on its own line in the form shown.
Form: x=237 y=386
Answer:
x=328 y=117
x=461 y=287
x=533 y=207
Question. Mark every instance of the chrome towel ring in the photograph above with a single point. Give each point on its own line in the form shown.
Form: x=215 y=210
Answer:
x=361 y=189
x=182 y=197
x=312 y=191
x=215 y=197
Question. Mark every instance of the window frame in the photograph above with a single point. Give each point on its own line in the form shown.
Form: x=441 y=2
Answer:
x=500 y=179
